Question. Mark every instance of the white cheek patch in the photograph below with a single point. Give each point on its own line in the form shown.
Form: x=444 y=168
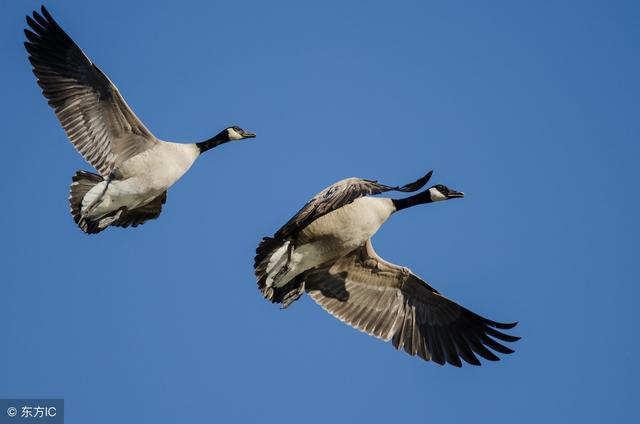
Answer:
x=233 y=134
x=436 y=195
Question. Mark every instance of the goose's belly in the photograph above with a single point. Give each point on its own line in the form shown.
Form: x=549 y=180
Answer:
x=338 y=233
x=130 y=193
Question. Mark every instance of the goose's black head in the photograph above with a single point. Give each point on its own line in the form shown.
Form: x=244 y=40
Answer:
x=237 y=133
x=233 y=133
x=435 y=193
x=442 y=192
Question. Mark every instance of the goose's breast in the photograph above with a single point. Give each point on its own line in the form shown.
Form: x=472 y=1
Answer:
x=161 y=166
x=351 y=225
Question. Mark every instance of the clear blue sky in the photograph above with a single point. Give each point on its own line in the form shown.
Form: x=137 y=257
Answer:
x=531 y=108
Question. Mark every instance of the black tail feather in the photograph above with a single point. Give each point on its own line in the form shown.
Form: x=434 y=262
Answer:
x=84 y=181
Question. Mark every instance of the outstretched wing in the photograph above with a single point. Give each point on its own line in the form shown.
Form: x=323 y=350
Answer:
x=97 y=120
x=337 y=195
x=389 y=302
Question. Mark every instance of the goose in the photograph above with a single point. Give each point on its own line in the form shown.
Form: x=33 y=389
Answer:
x=326 y=250
x=135 y=168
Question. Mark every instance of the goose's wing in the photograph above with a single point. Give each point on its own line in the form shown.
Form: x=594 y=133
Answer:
x=389 y=302
x=92 y=112
x=337 y=195
x=138 y=216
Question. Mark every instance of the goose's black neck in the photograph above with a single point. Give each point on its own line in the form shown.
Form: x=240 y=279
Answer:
x=416 y=199
x=219 y=139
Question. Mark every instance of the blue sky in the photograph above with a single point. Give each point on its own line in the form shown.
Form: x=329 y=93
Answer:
x=530 y=108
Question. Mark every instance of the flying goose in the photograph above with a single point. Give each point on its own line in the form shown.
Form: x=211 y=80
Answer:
x=135 y=167
x=325 y=250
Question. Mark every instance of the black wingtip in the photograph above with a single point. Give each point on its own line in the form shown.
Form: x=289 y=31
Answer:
x=416 y=185
x=428 y=175
x=47 y=15
x=502 y=336
x=505 y=325
x=40 y=19
x=472 y=360
x=500 y=325
x=34 y=25
x=498 y=347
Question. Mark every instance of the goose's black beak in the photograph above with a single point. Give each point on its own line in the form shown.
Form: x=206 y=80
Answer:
x=453 y=194
x=248 y=134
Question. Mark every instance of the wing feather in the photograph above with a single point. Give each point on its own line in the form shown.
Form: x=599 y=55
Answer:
x=135 y=217
x=97 y=120
x=391 y=303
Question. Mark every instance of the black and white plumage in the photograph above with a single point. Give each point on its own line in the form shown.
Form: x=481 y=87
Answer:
x=340 y=194
x=135 y=168
x=325 y=250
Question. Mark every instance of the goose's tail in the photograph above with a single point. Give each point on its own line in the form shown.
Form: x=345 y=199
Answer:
x=271 y=264
x=83 y=181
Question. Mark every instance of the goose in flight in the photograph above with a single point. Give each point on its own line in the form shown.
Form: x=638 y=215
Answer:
x=325 y=250
x=135 y=168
